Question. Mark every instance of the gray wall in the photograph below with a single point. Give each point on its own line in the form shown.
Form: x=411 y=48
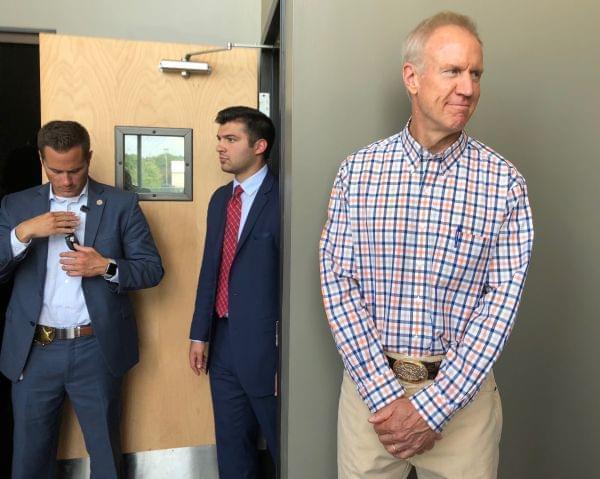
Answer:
x=266 y=10
x=185 y=21
x=540 y=108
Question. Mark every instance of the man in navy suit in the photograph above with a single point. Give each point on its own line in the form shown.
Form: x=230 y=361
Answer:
x=237 y=302
x=74 y=247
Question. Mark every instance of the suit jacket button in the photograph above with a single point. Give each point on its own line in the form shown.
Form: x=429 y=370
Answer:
x=32 y=323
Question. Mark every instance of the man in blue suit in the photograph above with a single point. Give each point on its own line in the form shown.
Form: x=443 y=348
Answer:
x=74 y=247
x=237 y=302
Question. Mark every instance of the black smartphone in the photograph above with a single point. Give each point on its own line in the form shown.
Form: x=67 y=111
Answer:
x=71 y=241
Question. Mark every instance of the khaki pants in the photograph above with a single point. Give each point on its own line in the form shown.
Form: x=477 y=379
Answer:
x=468 y=449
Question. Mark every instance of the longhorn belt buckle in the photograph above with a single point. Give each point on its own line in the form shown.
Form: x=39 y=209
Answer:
x=410 y=370
x=45 y=335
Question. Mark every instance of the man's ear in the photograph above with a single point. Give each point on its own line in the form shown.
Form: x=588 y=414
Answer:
x=260 y=146
x=410 y=76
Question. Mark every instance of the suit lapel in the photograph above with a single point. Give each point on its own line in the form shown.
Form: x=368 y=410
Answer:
x=96 y=203
x=262 y=198
x=41 y=202
x=41 y=205
x=221 y=216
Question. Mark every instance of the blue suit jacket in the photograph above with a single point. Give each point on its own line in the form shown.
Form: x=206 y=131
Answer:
x=253 y=286
x=116 y=228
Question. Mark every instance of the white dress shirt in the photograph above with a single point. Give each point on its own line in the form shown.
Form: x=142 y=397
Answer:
x=64 y=304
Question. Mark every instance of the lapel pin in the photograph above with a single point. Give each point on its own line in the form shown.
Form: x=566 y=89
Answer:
x=99 y=202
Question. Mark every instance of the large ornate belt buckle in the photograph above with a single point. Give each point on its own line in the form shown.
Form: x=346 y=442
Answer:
x=410 y=370
x=45 y=335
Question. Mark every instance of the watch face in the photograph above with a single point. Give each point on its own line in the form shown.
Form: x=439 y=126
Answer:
x=111 y=270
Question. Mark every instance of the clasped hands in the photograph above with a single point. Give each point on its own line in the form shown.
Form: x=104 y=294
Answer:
x=84 y=261
x=402 y=430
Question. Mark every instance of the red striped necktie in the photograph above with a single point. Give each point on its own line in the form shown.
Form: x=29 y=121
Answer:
x=230 y=239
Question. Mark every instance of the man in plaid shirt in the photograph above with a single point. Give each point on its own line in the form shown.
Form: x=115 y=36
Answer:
x=423 y=260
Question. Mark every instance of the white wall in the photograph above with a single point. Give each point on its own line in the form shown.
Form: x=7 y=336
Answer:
x=185 y=21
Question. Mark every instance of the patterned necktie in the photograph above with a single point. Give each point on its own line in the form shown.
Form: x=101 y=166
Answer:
x=232 y=226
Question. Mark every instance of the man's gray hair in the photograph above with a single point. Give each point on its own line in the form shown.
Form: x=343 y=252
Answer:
x=414 y=44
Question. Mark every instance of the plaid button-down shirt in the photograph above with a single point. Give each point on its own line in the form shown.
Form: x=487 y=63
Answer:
x=424 y=254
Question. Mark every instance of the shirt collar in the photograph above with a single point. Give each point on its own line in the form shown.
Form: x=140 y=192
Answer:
x=252 y=184
x=417 y=153
x=74 y=199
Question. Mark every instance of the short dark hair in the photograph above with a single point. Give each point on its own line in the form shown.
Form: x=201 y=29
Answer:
x=62 y=136
x=258 y=125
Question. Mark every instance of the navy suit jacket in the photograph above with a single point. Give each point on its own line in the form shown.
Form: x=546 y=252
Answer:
x=116 y=228
x=253 y=287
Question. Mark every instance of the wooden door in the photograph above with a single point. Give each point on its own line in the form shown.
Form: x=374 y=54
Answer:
x=103 y=83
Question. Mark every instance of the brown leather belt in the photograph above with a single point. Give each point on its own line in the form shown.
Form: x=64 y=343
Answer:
x=46 y=334
x=413 y=370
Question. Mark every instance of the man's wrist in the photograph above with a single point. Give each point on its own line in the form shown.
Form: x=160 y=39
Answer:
x=379 y=390
x=21 y=234
x=432 y=406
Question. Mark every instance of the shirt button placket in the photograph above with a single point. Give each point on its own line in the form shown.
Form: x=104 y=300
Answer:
x=421 y=263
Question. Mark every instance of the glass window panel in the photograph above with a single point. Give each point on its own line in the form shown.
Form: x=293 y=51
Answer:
x=131 y=180
x=158 y=155
x=156 y=163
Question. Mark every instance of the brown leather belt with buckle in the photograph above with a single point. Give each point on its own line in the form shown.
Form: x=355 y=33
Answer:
x=413 y=370
x=46 y=334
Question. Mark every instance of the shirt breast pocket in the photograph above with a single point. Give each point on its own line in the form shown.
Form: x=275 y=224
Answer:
x=459 y=260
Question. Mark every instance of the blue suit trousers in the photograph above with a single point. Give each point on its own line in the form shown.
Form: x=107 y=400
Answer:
x=73 y=368
x=238 y=416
